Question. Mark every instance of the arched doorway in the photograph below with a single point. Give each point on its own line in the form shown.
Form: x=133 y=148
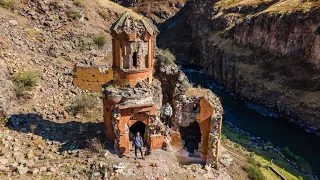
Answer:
x=138 y=127
x=191 y=135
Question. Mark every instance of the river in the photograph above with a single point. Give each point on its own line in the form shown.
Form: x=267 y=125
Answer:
x=276 y=130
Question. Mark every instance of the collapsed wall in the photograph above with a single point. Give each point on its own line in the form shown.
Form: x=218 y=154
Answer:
x=190 y=105
x=173 y=81
x=92 y=78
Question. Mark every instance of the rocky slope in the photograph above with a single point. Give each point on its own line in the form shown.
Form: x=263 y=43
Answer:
x=43 y=36
x=265 y=51
x=158 y=11
x=43 y=139
x=6 y=93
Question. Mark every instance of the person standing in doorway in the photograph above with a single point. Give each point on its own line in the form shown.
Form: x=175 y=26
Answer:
x=166 y=114
x=138 y=144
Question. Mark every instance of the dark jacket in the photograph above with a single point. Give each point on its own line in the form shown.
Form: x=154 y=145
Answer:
x=137 y=141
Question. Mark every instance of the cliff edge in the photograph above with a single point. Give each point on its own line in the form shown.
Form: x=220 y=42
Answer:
x=266 y=51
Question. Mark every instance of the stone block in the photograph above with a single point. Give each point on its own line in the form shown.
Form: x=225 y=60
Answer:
x=156 y=141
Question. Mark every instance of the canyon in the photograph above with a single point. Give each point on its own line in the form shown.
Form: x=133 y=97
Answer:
x=266 y=52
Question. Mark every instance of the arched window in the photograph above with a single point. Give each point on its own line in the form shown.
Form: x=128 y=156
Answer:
x=134 y=59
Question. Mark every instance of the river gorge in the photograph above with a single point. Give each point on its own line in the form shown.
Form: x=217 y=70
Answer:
x=276 y=130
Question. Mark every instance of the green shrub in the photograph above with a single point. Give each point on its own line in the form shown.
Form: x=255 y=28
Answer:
x=99 y=40
x=7 y=3
x=82 y=104
x=25 y=81
x=168 y=54
x=223 y=137
x=78 y=2
x=237 y=146
x=254 y=172
x=108 y=30
x=254 y=162
x=303 y=164
x=103 y=14
x=73 y=14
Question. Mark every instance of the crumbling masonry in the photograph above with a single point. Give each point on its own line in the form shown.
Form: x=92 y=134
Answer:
x=131 y=104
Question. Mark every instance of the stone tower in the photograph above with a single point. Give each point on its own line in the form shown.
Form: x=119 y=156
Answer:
x=128 y=101
x=133 y=50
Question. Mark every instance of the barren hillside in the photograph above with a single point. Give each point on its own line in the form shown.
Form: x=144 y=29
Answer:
x=53 y=130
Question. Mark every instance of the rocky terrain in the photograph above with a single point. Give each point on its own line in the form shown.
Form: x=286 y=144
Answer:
x=45 y=134
x=37 y=148
x=40 y=36
x=157 y=11
x=264 y=51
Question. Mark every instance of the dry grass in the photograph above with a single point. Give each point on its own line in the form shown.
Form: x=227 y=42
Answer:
x=118 y=8
x=7 y=3
x=280 y=7
x=290 y=6
x=228 y=45
x=83 y=104
x=78 y=3
x=34 y=35
x=228 y=4
x=99 y=40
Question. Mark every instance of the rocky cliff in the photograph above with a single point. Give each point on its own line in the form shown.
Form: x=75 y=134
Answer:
x=265 y=51
x=157 y=10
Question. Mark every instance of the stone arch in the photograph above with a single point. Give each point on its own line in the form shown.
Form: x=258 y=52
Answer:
x=138 y=126
x=192 y=136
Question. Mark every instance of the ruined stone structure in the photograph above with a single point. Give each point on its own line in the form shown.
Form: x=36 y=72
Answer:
x=198 y=118
x=92 y=78
x=132 y=97
x=132 y=44
x=128 y=104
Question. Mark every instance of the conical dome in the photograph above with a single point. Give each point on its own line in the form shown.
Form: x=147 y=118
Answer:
x=130 y=24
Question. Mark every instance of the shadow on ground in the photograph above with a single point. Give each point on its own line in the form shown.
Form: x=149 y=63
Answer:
x=186 y=158
x=72 y=135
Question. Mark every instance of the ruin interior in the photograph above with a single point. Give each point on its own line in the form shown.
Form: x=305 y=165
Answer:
x=130 y=105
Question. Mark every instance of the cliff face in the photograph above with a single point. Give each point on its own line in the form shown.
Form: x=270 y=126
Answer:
x=266 y=51
x=156 y=10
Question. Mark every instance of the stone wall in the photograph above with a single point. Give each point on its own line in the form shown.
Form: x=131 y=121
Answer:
x=132 y=78
x=92 y=78
x=123 y=107
x=203 y=106
x=141 y=48
x=127 y=117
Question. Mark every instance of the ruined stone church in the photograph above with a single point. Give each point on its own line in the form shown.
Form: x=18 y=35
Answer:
x=131 y=105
